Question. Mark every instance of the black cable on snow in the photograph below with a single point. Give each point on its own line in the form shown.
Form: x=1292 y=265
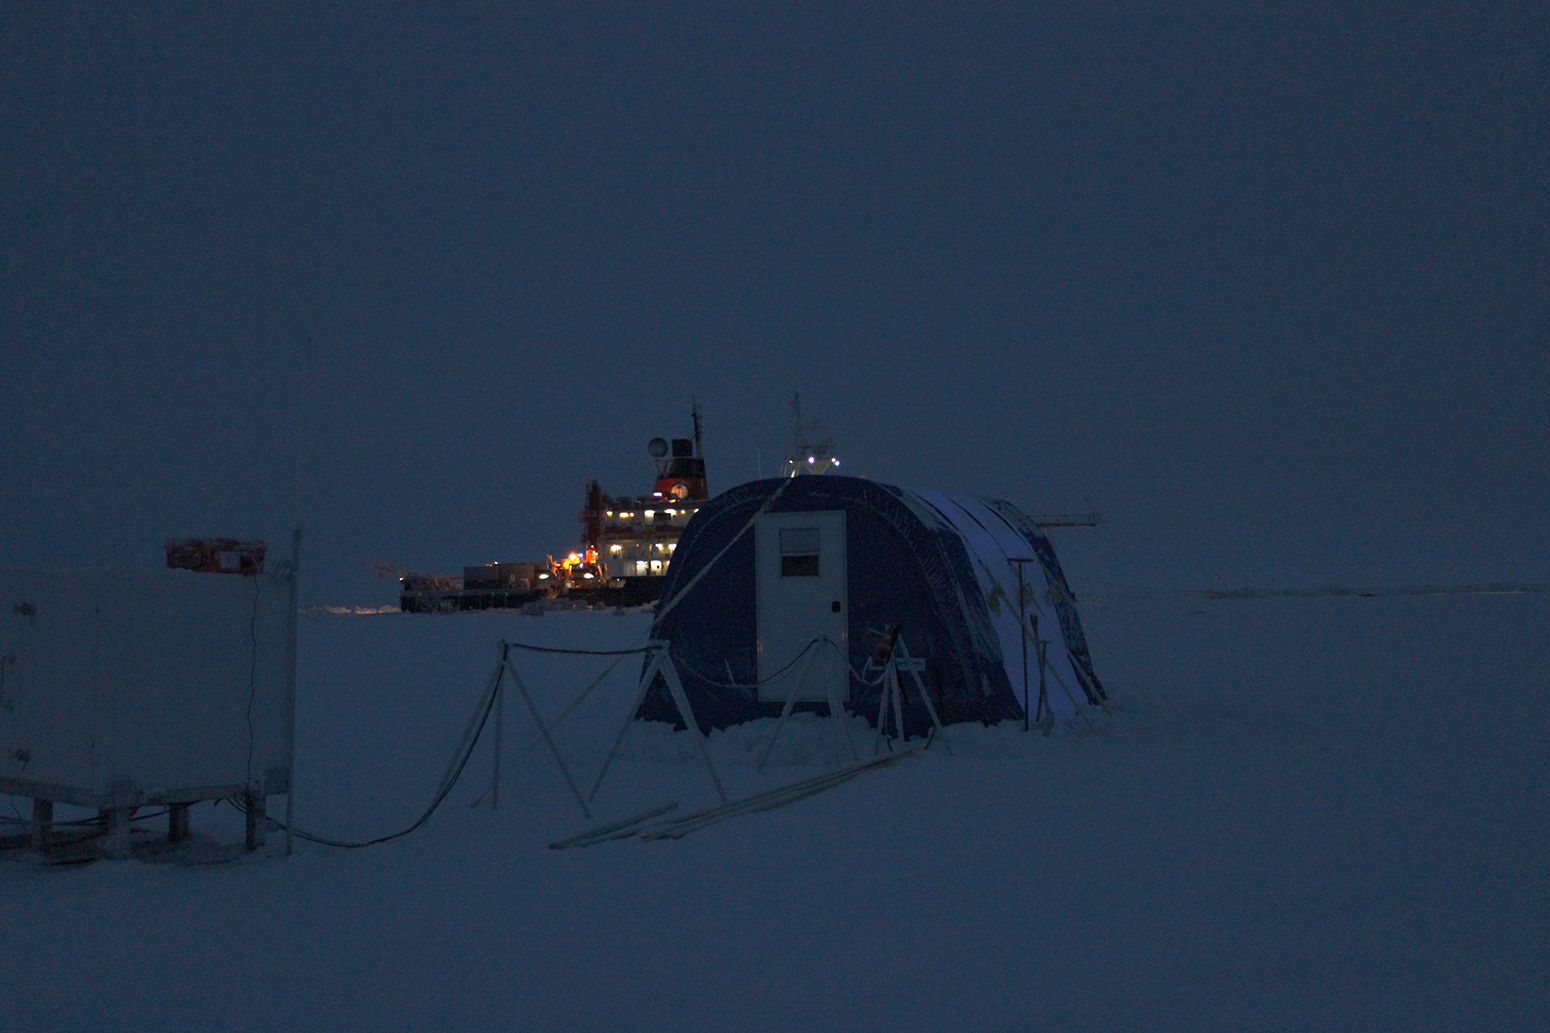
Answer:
x=96 y=820
x=459 y=760
x=449 y=781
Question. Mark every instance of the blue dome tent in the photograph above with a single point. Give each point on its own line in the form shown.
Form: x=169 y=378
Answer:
x=791 y=589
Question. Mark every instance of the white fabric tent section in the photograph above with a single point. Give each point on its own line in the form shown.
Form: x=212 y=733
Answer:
x=990 y=543
x=1066 y=684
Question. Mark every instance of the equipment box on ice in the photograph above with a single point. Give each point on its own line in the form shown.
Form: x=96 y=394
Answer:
x=122 y=689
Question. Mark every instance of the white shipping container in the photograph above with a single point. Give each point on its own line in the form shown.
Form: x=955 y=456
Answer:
x=119 y=689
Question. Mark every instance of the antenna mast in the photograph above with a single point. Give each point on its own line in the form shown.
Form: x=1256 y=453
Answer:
x=811 y=450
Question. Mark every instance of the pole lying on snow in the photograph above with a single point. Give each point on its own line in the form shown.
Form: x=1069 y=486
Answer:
x=677 y=828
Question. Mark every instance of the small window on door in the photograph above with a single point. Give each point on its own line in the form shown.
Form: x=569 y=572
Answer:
x=799 y=552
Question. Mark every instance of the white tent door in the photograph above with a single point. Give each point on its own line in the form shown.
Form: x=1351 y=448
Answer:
x=801 y=596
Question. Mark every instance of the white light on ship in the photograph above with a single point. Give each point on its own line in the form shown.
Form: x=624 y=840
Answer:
x=650 y=513
x=812 y=459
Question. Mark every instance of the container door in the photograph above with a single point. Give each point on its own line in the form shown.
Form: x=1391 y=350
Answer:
x=801 y=597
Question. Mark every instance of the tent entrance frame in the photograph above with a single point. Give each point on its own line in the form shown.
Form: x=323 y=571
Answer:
x=801 y=594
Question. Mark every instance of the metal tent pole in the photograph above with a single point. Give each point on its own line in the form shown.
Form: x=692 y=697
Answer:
x=629 y=718
x=1022 y=620
x=500 y=720
x=290 y=703
x=884 y=700
x=670 y=673
x=925 y=697
x=785 y=712
x=1043 y=648
x=837 y=713
x=538 y=719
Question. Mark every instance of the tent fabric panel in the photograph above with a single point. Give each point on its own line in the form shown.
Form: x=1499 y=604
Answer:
x=907 y=572
x=717 y=662
x=1063 y=695
x=1066 y=666
x=991 y=545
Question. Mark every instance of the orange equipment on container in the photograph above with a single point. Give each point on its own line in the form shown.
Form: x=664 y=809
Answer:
x=216 y=555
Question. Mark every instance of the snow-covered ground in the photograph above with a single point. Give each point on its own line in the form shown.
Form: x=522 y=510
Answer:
x=1306 y=814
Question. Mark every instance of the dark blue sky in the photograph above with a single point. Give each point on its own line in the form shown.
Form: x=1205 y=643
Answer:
x=1268 y=285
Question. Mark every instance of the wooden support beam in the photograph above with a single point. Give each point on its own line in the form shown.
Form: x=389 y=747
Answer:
x=177 y=823
x=257 y=826
x=42 y=818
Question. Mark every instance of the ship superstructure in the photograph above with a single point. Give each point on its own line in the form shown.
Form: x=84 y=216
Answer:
x=631 y=538
x=627 y=543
